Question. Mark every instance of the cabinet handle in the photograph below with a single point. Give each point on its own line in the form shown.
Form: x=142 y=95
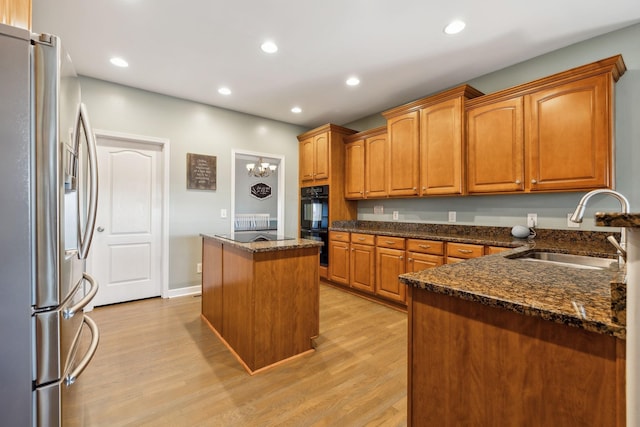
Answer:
x=424 y=246
x=389 y=243
x=533 y=181
x=362 y=239
x=465 y=251
x=517 y=181
x=401 y=257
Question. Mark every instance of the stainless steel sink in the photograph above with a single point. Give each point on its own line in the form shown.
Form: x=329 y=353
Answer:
x=568 y=260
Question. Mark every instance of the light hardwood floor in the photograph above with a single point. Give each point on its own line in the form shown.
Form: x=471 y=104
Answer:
x=159 y=365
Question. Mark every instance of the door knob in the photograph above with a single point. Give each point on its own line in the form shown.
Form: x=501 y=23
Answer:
x=100 y=229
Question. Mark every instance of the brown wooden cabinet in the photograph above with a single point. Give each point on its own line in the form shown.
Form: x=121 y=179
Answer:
x=403 y=149
x=314 y=160
x=365 y=164
x=339 y=255
x=423 y=254
x=390 y=263
x=442 y=142
x=457 y=252
x=362 y=263
x=569 y=135
x=474 y=365
x=16 y=13
x=553 y=134
x=495 y=141
x=490 y=250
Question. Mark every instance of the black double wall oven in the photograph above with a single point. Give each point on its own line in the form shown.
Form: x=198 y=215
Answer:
x=314 y=217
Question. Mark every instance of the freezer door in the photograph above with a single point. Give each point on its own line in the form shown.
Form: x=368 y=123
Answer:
x=57 y=333
x=66 y=178
x=55 y=404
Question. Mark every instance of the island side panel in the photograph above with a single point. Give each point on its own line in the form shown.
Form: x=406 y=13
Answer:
x=238 y=303
x=212 y=282
x=287 y=303
x=470 y=364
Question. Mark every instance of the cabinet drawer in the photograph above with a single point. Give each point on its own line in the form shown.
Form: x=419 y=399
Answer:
x=490 y=250
x=464 y=250
x=339 y=236
x=425 y=246
x=390 y=242
x=363 y=239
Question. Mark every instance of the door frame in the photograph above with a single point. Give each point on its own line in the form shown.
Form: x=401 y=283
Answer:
x=280 y=215
x=163 y=144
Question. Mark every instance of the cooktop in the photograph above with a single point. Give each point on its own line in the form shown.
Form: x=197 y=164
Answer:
x=245 y=237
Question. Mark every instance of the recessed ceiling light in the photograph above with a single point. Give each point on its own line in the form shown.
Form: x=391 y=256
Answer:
x=353 y=81
x=119 y=62
x=269 y=47
x=454 y=27
x=296 y=110
x=224 y=91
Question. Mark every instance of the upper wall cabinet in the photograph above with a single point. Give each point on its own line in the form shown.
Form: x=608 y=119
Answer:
x=426 y=144
x=321 y=156
x=366 y=164
x=553 y=134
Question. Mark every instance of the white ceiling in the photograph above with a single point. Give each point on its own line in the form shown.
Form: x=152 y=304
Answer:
x=397 y=48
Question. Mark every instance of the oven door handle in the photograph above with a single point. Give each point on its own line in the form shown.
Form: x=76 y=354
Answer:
x=91 y=351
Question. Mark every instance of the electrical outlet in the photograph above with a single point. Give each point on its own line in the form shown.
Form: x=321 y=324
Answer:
x=395 y=215
x=199 y=267
x=452 y=216
x=532 y=220
x=223 y=213
x=570 y=223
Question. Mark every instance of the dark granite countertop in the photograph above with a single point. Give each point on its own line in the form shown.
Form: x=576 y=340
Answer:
x=266 y=246
x=616 y=219
x=575 y=297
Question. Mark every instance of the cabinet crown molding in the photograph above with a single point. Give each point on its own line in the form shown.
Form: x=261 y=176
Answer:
x=613 y=65
x=366 y=134
x=329 y=127
x=464 y=90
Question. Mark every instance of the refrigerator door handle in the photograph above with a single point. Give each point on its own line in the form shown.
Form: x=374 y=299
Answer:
x=71 y=311
x=83 y=119
x=91 y=351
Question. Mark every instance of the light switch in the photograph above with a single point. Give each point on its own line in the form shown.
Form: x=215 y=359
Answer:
x=223 y=213
x=452 y=216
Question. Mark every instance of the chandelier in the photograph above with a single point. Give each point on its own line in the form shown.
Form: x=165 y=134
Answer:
x=261 y=169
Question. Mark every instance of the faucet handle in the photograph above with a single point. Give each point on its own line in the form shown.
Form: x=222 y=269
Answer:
x=618 y=246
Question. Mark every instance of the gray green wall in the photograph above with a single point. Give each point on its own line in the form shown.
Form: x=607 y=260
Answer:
x=201 y=129
x=509 y=210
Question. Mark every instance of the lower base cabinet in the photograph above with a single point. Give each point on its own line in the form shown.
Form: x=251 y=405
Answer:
x=390 y=263
x=475 y=365
x=362 y=263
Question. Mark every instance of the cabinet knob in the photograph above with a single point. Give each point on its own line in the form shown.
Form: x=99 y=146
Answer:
x=410 y=259
x=533 y=181
x=401 y=257
x=517 y=181
x=415 y=189
x=424 y=188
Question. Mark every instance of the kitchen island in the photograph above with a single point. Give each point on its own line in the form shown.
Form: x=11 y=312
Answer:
x=260 y=296
x=501 y=341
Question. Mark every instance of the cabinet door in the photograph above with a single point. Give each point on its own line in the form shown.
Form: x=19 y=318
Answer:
x=495 y=141
x=389 y=265
x=354 y=165
x=362 y=267
x=376 y=174
x=403 y=154
x=339 y=265
x=441 y=148
x=418 y=262
x=306 y=160
x=569 y=140
x=321 y=143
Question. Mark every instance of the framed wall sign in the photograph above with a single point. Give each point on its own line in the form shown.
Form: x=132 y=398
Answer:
x=261 y=190
x=201 y=172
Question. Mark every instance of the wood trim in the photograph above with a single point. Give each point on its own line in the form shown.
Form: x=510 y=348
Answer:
x=329 y=127
x=464 y=90
x=365 y=134
x=614 y=65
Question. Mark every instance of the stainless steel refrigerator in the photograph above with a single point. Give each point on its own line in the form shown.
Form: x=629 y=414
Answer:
x=48 y=200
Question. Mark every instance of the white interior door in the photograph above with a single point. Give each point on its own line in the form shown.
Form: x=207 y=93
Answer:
x=127 y=245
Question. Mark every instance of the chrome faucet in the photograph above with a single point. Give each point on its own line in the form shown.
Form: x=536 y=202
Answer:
x=624 y=204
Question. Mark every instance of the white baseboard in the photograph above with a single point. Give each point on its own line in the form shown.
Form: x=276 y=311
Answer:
x=183 y=292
